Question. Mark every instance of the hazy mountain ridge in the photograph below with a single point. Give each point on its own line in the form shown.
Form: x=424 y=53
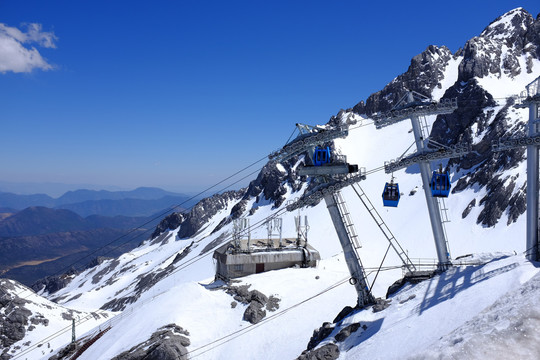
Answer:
x=142 y=201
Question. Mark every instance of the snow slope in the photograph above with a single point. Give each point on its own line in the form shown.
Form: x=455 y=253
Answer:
x=49 y=325
x=446 y=314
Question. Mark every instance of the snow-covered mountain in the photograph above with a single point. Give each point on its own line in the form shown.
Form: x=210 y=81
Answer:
x=168 y=305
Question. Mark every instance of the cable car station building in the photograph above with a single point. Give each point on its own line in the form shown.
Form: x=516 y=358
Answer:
x=244 y=256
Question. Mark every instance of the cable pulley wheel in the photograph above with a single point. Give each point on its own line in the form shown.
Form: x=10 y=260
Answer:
x=353 y=281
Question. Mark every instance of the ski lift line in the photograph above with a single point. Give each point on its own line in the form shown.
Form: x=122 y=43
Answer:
x=426 y=156
x=290 y=137
x=308 y=140
x=161 y=215
x=227 y=338
x=248 y=175
x=179 y=205
x=187 y=264
x=380 y=266
x=405 y=260
x=394 y=116
x=50 y=337
x=514 y=142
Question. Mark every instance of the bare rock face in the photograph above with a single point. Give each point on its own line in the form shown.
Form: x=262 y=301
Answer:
x=327 y=352
x=320 y=334
x=192 y=221
x=170 y=222
x=14 y=318
x=423 y=76
x=168 y=343
x=484 y=54
x=257 y=302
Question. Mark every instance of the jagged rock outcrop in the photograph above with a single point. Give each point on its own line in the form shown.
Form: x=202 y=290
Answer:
x=423 y=75
x=16 y=318
x=51 y=284
x=502 y=42
x=270 y=185
x=170 y=222
x=272 y=181
x=478 y=120
x=168 y=343
x=192 y=221
x=257 y=302
x=327 y=352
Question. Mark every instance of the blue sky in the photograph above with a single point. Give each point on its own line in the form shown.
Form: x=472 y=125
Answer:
x=180 y=94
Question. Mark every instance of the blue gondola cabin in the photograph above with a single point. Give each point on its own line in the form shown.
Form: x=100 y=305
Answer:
x=391 y=194
x=321 y=156
x=440 y=184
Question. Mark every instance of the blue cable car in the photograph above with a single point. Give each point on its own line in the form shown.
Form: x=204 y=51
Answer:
x=321 y=156
x=390 y=195
x=440 y=184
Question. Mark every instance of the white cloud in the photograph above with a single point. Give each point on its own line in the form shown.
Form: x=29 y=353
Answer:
x=15 y=53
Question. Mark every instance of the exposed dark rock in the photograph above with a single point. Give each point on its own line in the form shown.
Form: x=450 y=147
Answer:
x=482 y=55
x=381 y=304
x=423 y=75
x=15 y=318
x=407 y=299
x=240 y=293
x=183 y=253
x=171 y=222
x=468 y=209
x=272 y=304
x=97 y=261
x=119 y=304
x=257 y=302
x=346 y=311
x=162 y=239
x=271 y=182
x=106 y=270
x=168 y=343
x=145 y=282
x=320 y=334
x=214 y=243
x=517 y=205
x=52 y=284
x=254 y=312
x=326 y=352
x=347 y=331
x=496 y=201
x=205 y=209
x=259 y=297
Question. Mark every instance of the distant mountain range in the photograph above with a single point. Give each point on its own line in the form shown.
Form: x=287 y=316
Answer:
x=143 y=201
x=39 y=241
x=40 y=235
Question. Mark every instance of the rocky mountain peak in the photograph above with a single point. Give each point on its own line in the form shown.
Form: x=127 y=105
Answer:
x=499 y=48
x=510 y=26
x=423 y=75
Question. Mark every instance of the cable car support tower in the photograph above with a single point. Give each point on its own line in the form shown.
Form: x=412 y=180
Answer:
x=331 y=178
x=530 y=98
x=411 y=106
